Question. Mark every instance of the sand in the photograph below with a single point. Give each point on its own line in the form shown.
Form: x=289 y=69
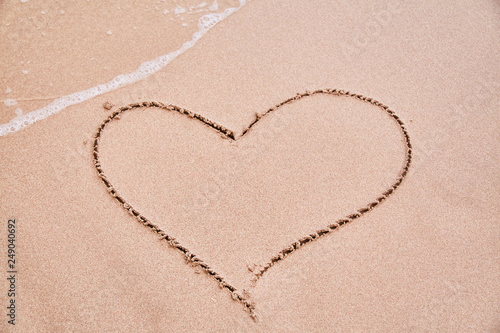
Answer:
x=426 y=259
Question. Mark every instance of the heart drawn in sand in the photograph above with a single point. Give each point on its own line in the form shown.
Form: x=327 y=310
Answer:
x=229 y=134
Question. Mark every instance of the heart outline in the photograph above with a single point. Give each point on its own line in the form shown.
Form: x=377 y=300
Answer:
x=286 y=251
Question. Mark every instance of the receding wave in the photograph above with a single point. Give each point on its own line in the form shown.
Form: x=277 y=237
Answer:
x=205 y=23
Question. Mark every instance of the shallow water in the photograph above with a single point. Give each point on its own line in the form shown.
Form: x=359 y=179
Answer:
x=183 y=13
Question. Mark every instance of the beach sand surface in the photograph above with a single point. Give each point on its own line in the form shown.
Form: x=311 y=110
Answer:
x=425 y=260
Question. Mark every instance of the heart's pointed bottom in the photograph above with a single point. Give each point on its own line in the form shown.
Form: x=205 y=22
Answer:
x=259 y=270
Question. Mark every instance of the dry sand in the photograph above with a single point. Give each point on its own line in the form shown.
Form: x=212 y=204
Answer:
x=427 y=259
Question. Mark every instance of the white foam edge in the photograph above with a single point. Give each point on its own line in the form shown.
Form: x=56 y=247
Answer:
x=146 y=69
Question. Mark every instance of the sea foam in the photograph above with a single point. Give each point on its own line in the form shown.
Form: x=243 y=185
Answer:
x=205 y=23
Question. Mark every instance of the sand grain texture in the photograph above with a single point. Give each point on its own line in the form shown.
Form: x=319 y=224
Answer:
x=425 y=260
